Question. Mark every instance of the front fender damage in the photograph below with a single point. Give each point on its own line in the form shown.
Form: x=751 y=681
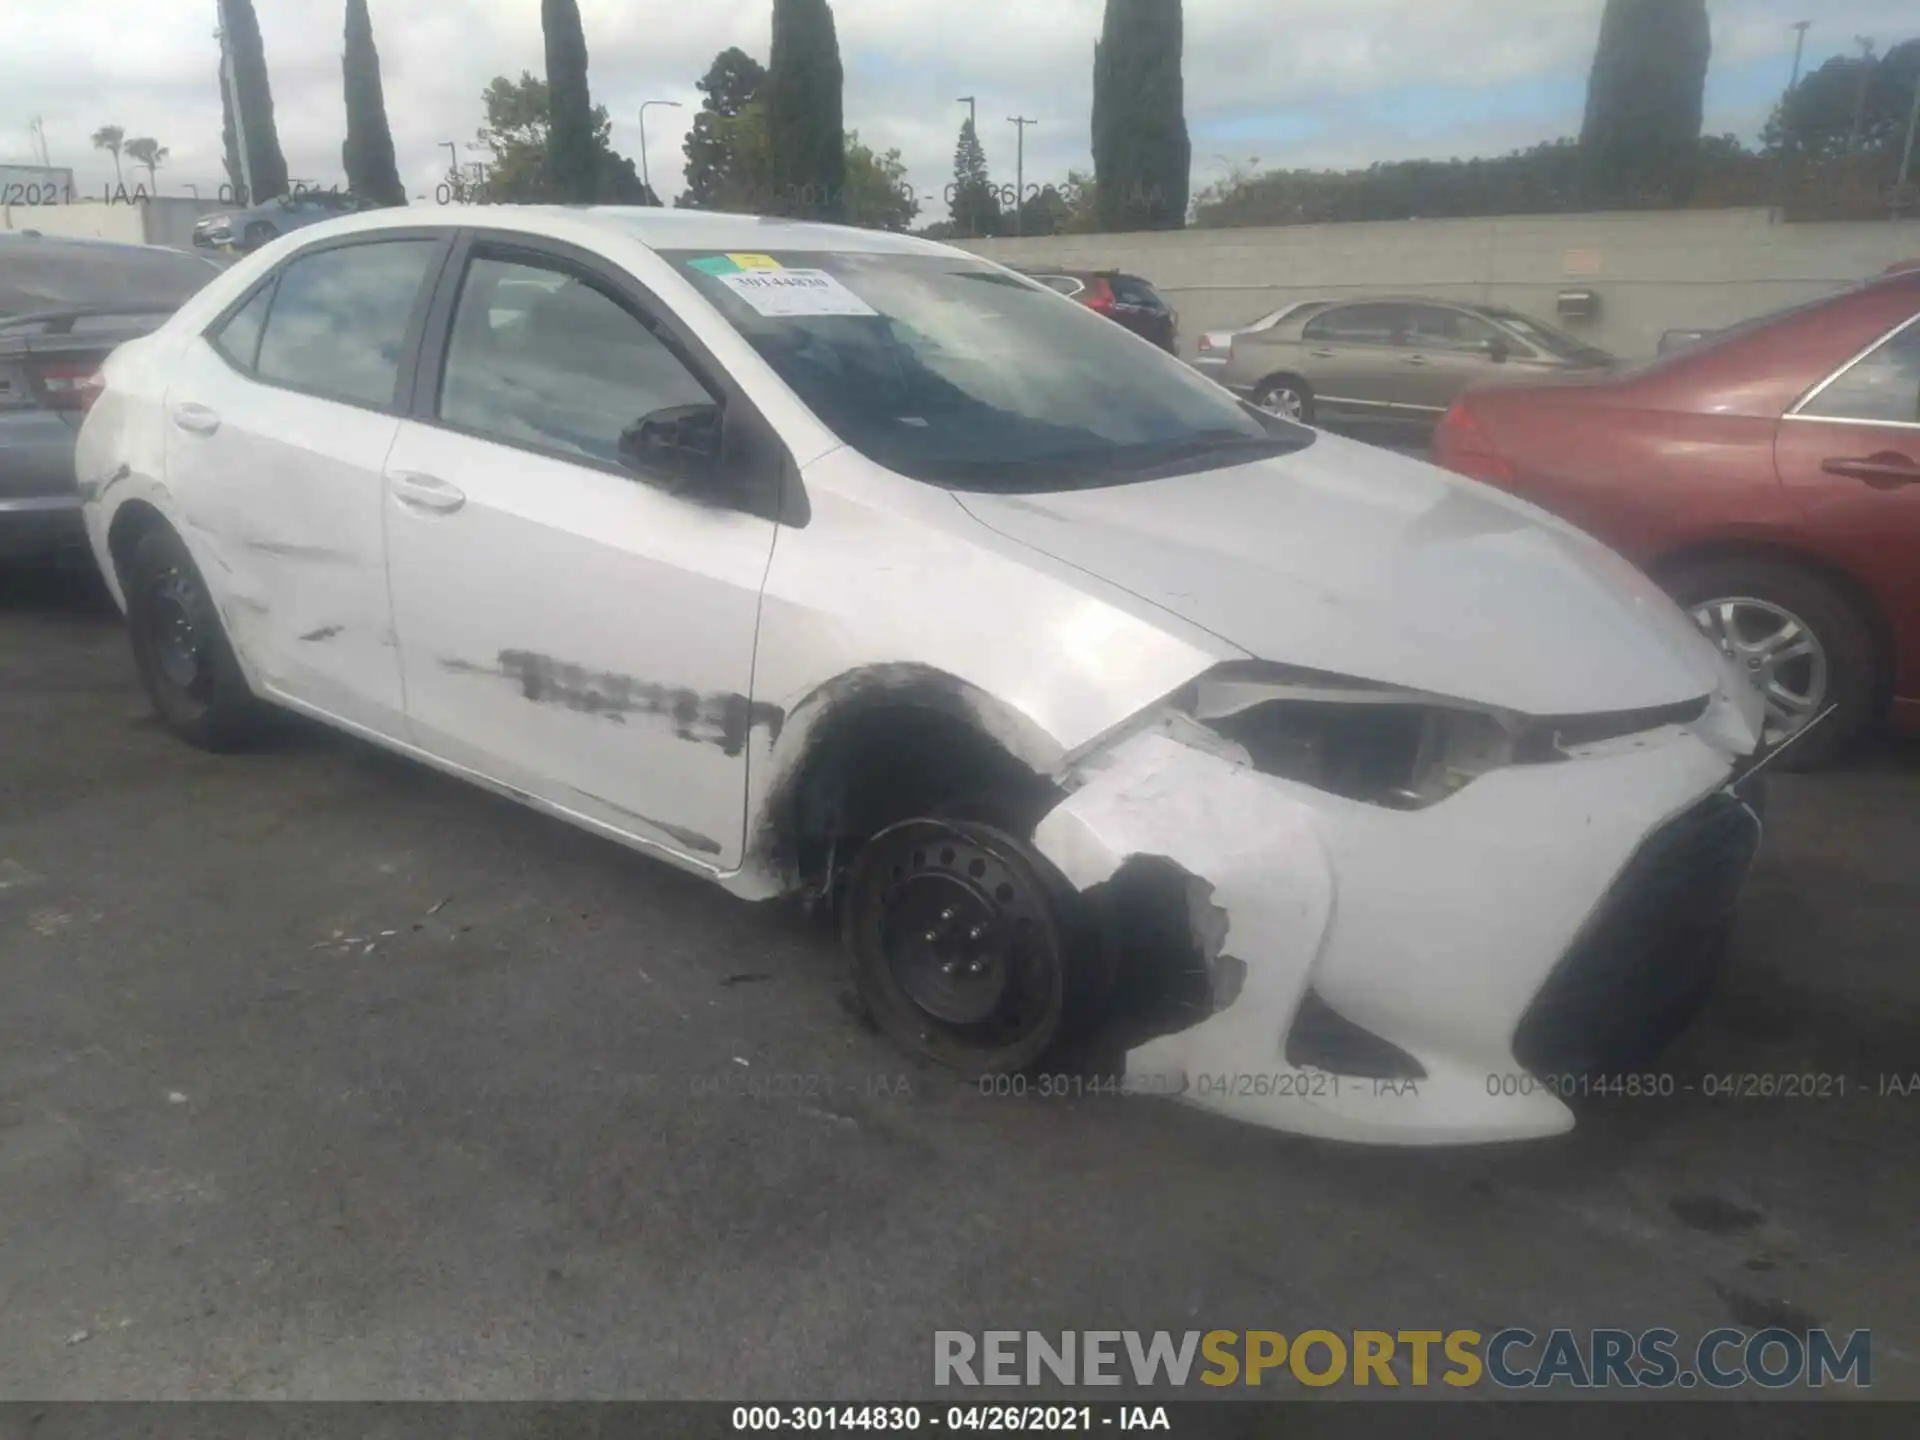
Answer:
x=1261 y=865
x=1259 y=856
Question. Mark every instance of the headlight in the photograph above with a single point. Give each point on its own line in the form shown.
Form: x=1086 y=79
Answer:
x=1386 y=746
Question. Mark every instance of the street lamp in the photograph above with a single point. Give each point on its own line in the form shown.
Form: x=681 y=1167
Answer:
x=1799 y=49
x=973 y=111
x=646 y=177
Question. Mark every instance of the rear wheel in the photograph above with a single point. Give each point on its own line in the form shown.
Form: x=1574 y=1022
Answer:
x=1287 y=396
x=181 y=648
x=968 y=947
x=1799 y=643
x=257 y=234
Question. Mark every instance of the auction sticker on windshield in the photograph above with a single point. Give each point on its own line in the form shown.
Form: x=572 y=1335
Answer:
x=789 y=293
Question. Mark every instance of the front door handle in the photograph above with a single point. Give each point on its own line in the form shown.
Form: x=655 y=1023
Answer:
x=1321 y=354
x=1883 y=471
x=196 y=418
x=425 y=492
x=1416 y=359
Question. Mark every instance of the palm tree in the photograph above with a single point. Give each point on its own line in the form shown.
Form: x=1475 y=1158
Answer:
x=111 y=138
x=150 y=153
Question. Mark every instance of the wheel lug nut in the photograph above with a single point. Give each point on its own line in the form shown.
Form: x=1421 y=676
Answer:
x=978 y=932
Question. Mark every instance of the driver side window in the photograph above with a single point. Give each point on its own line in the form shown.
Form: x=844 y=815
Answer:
x=542 y=359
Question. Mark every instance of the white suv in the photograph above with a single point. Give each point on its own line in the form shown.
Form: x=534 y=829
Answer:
x=827 y=562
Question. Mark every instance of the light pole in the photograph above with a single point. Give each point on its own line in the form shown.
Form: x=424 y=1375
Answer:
x=973 y=112
x=1799 y=49
x=1020 y=124
x=646 y=177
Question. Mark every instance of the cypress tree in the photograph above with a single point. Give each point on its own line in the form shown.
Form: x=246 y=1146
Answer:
x=1645 y=100
x=1141 y=149
x=805 y=128
x=255 y=101
x=573 y=161
x=367 y=154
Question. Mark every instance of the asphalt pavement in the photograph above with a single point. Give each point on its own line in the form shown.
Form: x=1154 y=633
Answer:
x=323 y=1076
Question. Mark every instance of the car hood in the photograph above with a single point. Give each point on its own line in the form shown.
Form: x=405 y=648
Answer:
x=1353 y=560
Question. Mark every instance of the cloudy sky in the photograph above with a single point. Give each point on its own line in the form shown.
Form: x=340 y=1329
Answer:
x=1292 y=82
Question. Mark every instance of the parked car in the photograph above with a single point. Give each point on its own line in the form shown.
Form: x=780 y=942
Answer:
x=1122 y=297
x=812 y=560
x=249 y=229
x=1215 y=347
x=64 y=304
x=1397 y=362
x=1769 y=477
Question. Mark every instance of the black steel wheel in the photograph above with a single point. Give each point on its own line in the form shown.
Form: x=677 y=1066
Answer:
x=964 y=942
x=180 y=648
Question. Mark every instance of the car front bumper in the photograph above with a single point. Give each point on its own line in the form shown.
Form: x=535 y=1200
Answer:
x=1541 y=921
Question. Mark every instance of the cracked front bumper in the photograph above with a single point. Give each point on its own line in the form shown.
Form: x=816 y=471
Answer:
x=1436 y=930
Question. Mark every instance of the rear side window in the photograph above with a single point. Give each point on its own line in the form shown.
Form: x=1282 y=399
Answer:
x=1131 y=290
x=1883 y=385
x=339 y=317
x=1360 y=324
x=1065 y=284
x=239 y=339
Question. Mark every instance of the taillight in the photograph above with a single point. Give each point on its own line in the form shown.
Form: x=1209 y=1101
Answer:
x=1100 y=297
x=1206 y=342
x=65 y=385
x=1461 y=444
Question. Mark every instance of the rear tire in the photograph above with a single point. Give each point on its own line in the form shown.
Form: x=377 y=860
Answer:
x=1742 y=603
x=1287 y=396
x=257 y=234
x=181 y=650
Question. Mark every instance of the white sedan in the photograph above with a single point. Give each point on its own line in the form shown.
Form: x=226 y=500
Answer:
x=840 y=564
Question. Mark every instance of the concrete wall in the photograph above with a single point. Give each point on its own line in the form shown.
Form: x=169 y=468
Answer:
x=1652 y=272
x=162 y=220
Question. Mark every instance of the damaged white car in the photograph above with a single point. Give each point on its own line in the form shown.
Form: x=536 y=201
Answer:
x=835 y=563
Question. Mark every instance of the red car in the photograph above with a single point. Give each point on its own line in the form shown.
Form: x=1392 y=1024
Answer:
x=1769 y=477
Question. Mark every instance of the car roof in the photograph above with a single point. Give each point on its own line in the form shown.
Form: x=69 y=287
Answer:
x=655 y=227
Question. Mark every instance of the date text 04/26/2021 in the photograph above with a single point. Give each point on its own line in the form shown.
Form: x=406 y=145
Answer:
x=962 y=1419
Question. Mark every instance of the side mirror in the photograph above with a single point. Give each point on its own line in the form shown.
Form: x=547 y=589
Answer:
x=679 y=445
x=1497 y=350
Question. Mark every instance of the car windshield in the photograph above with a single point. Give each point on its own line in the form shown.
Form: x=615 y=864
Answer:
x=38 y=276
x=1556 y=343
x=950 y=371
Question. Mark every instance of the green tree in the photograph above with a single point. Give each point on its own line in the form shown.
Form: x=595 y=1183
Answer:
x=1047 y=213
x=1815 y=122
x=807 y=150
x=147 y=151
x=1141 y=150
x=974 y=208
x=518 y=137
x=572 y=164
x=367 y=154
x=717 y=177
x=878 y=195
x=1645 y=99
x=113 y=139
x=269 y=166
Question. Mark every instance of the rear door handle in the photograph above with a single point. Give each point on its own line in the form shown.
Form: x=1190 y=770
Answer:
x=1885 y=470
x=1321 y=354
x=425 y=492
x=1416 y=359
x=196 y=418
